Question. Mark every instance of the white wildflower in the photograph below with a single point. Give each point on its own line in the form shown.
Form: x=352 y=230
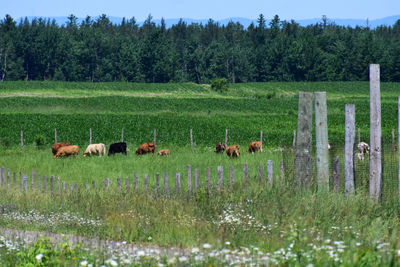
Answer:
x=182 y=259
x=112 y=262
x=83 y=263
x=207 y=246
x=195 y=250
x=39 y=257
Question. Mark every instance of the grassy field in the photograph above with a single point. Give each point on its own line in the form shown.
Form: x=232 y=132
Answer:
x=268 y=225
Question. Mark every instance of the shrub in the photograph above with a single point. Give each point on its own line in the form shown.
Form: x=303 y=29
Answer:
x=219 y=84
x=39 y=140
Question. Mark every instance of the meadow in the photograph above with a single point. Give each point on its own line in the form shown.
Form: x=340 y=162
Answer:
x=259 y=224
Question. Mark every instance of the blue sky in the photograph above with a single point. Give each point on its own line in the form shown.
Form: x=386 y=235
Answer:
x=204 y=9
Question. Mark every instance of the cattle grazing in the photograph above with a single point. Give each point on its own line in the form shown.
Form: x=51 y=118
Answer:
x=66 y=151
x=56 y=146
x=117 y=148
x=95 y=149
x=363 y=148
x=145 y=148
x=233 y=151
x=255 y=146
x=163 y=152
x=220 y=147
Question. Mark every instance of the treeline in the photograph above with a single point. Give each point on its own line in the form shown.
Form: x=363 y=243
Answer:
x=98 y=50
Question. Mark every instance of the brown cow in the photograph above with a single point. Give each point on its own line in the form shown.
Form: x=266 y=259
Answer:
x=56 y=146
x=67 y=151
x=163 y=152
x=220 y=147
x=255 y=146
x=145 y=148
x=233 y=151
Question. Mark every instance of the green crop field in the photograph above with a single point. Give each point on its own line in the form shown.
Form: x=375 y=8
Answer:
x=269 y=225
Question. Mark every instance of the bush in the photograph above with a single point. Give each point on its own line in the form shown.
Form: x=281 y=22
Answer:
x=219 y=84
x=39 y=140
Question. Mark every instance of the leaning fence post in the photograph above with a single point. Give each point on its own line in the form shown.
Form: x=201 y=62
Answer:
x=375 y=158
x=336 y=174
x=303 y=162
x=270 y=172
x=220 y=170
x=349 y=149
x=321 y=134
x=189 y=178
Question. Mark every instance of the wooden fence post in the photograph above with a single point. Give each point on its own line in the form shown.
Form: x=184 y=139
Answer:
x=260 y=174
x=393 y=144
x=220 y=171
x=196 y=179
x=146 y=181
x=108 y=183
x=359 y=136
x=122 y=135
x=135 y=181
x=261 y=137
x=303 y=162
x=226 y=137
x=294 y=141
x=45 y=183
x=55 y=135
x=14 y=179
x=321 y=133
x=8 y=179
x=38 y=182
x=33 y=179
x=375 y=158
x=349 y=149
x=52 y=184
x=90 y=136
x=178 y=181
x=58 y=184
x=191 y=140
x=2 y=176
x=119 y=184
x=166 y=189
x=245 y=173
x=270 y=172
x=189 y=178
x=158 y=182
x=25 y=183
x=64 y=187
x=336 y=174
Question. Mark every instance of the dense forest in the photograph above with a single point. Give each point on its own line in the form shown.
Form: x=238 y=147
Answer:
x=98 y=50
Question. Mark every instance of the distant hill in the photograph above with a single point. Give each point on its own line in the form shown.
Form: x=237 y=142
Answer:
x=388 y=21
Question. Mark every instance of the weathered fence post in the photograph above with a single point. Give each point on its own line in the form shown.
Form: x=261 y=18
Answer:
x=146 y=181
x=52 y=184
x=336 y=174
x=349 y=149
x=196 y=179
x=155 y=137
x=108 y=183
x=122 y=135
x=119 y=184
x=14 y=179
x=33 y=179
x=8 y=179
x=25 y=183
x=260 y=174
x=58 y=184
x=303 y=162
x=231 y=176
x=245 y=173
x=166 y=189
x=189 y=178
x=321 y=134
x=64 y=187
x=191 y=140
x=45 y=183
x=220 y=171
x=2 y=176
x=375 y=158
x=393 y=145
x=38 y=182
x=135 y=181
x=158 y=182
x=270 y=172
x=178 y=181
x=294 y=141
x=261 y=137
x=55 y=135
x=127 y=189
x=22 y=139
x=90 y=136
x=359 y=135
x=226 y=137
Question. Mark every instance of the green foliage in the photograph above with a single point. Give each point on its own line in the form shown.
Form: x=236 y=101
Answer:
x=219 y=84
x=39 y=140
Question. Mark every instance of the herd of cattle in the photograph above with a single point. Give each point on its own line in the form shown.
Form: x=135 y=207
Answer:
x=64 y=149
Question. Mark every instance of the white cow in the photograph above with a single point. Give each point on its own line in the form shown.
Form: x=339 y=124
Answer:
x=95 y=149
x=363 y=148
